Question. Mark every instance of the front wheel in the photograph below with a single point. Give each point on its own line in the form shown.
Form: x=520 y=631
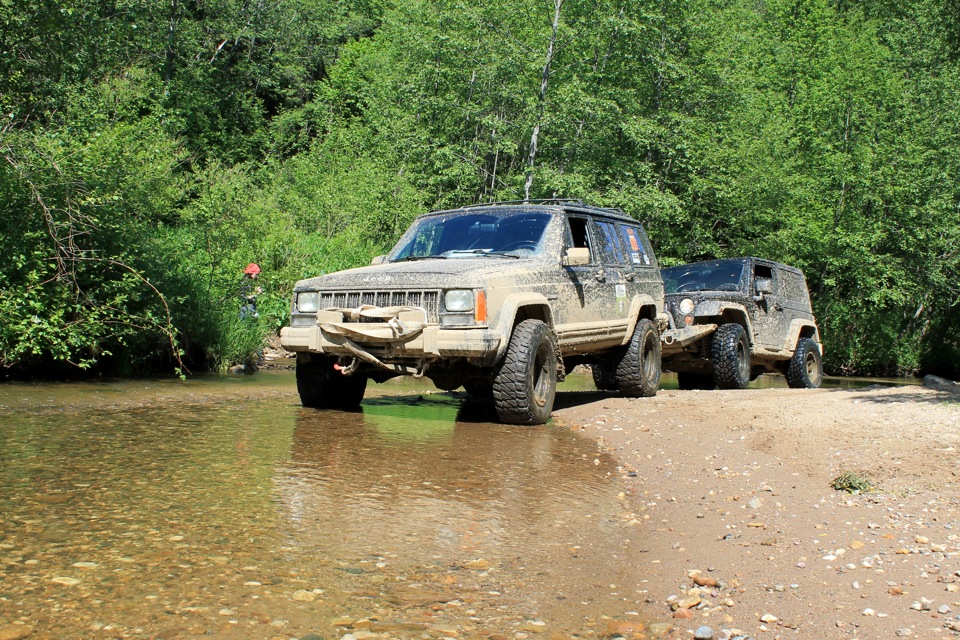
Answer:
x=322 y=387
x=731 y=357
x=805 y=370
x=526 y=382
x=638 y=372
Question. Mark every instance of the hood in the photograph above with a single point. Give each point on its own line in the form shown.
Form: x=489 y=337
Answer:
x=421 y=274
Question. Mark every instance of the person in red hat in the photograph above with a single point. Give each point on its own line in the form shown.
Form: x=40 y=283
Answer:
x=249 y=292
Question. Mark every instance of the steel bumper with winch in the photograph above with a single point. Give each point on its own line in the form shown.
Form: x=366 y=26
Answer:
x=385 y=336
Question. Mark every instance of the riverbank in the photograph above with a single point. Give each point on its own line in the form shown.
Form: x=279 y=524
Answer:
x=744 y=530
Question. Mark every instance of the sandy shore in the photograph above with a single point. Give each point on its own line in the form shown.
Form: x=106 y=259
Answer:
x=737 y=485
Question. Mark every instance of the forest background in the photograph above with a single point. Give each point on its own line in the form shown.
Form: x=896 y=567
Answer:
x=150 y=150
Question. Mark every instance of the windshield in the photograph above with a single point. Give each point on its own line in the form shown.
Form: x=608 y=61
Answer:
x=703 y=276
x=506 y=233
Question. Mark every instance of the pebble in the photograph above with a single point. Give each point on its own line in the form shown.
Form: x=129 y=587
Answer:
x=302 y=595
x=15 y=632
x=65 y=581
x=768 y=618
x=703 y=633
x=944 y=609
x=687 y=603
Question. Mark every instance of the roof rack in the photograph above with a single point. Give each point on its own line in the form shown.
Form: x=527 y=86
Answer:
x=532 y=201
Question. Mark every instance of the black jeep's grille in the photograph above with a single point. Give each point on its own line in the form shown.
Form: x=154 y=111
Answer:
x=427 y=299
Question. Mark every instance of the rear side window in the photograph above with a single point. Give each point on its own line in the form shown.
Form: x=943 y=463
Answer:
x=610 y=239
x=636 y=249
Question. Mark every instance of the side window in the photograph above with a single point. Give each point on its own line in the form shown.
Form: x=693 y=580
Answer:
x=763 y=280
x=610 y=241
x=580 y=235
x=635 y=246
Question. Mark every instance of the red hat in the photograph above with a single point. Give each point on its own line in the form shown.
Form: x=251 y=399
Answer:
x=253 y=268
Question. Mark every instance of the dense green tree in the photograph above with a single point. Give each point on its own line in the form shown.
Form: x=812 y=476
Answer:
x=151 y=150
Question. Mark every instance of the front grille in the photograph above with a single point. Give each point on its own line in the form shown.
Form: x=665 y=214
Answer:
x=427 y=299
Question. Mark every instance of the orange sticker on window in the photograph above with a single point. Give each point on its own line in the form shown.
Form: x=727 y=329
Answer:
x=633 y=240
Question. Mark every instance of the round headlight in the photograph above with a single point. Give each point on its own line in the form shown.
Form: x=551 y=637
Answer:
x=307 y=301
x=458 y=300
x=686 y=306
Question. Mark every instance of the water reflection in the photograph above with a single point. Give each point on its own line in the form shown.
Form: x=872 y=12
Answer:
x=518 y=521
x=250 y=519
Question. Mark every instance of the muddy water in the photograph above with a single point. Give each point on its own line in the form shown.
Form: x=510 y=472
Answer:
x=221 y=507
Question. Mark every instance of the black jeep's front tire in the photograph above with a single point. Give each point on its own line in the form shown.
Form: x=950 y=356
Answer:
x=638 y=372
x=805 y=370
x=526 y=382
x=731 y=357
x=322 y=387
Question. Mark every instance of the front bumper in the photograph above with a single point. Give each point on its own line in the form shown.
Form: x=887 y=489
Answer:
x=379 y=340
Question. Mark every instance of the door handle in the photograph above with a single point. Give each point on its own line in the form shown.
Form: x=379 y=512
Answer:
x=777 y=306
x=628 y=277
x=600 y=275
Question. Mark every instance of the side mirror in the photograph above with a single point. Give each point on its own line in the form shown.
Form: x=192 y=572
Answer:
x=378 y=260
x=576 y=257
x=763 y=286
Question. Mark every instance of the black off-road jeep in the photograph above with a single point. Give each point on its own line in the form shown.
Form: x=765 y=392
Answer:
x=501 y=299
x=732 y=320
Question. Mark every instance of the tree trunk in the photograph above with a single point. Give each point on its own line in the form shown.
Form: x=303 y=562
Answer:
x=541 y=99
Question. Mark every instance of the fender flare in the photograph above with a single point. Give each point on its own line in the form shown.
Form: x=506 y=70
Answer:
x=639 y=302
x=508 y=315
x=794 y=331
x=720 y=307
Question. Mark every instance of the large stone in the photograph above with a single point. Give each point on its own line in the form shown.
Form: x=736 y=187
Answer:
x=15 y=632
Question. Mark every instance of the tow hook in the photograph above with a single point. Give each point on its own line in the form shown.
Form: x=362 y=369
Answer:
x=346 y=365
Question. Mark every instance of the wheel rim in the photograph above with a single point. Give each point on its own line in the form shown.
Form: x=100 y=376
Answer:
x=813 y=371
x=541 y=385
x=742 y=361
x=648 y=365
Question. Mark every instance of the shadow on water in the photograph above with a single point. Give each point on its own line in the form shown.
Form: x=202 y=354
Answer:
x=260 y=519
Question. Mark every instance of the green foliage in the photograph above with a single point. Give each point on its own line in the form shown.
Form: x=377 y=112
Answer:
x=150 y=151
x=852 y=483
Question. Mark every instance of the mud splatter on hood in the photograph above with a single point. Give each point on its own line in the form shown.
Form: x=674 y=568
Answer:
x=421 y=274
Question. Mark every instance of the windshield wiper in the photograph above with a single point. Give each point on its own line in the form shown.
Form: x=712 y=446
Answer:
x=412 y=258
x=481 y=252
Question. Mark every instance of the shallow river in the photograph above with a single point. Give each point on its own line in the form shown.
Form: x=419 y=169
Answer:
x=221 y=507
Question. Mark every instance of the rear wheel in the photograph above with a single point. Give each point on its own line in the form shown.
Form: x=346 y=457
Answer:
x=322 y=387
x=805 y=370
x=731 y=357
x=526 y=382
x=690 y=381
x=638 y=372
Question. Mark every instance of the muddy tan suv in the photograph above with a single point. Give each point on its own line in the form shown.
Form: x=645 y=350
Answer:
x=501 y=299
x=732 y=320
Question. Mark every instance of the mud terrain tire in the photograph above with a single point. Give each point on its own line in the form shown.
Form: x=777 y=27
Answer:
x=731 y=357
x=692 y=381
x=604 y=377
x=322 y=387
x=805 y=370
x=526 y=382
x=638 y=372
